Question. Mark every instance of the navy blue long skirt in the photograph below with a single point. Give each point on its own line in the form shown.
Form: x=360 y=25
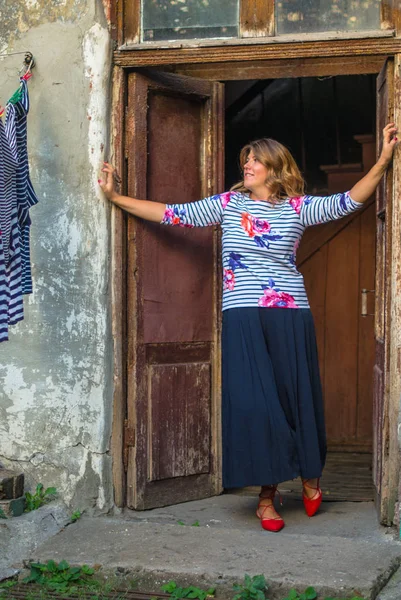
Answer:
x=273 y=417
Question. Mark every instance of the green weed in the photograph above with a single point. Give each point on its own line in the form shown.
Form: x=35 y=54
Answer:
x=311 y=594
x=40 y=497
x=177 y=593
x=75 y=516
x=253 y=588
x=60 y=577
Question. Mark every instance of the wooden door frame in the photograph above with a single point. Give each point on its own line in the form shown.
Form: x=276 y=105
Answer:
x=312 y=60
x=394 y=375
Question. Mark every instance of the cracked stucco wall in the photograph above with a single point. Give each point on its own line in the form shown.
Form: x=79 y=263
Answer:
x=55 y=371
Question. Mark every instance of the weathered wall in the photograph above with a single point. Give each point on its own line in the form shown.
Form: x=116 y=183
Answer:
x=55 y=371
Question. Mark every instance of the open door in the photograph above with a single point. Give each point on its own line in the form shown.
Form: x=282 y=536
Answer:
x=174 y=152
x=384 y=197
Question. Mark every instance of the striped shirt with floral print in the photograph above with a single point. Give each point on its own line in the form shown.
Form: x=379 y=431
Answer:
x=260 y=242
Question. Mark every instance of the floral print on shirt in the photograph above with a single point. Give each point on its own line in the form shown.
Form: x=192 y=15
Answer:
x=273 y=297
x=293 y=257
x=259 y=230
x=174 y=216
x=343 y=201
x=225 y=198
x=297 y=203
x=229 y=279
x=235 y=261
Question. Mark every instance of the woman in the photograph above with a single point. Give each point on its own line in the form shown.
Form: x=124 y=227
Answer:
x=273 y=421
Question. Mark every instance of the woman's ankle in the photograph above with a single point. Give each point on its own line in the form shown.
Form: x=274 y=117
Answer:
x=268 y=491
x=313 y=483
x=310 y=487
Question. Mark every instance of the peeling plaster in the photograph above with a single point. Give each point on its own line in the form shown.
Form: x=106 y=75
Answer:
x=18 y=16
x=96 y=55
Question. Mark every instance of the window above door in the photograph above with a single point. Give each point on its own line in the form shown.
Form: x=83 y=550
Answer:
x=157 y=22
x=307 y=16
x=189 y=19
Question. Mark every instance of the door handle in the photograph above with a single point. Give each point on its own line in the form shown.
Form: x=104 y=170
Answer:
x=364 y=302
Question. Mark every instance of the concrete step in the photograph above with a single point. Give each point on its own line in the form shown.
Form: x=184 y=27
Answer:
x=340 y=551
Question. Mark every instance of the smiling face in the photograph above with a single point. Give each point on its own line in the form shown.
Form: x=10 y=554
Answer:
x=255 y=176
x=269 y=172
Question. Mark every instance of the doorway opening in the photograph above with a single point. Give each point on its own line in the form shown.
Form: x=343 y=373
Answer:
x=331 y=134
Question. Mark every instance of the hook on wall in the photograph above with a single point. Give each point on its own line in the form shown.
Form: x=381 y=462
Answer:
x=29 y=61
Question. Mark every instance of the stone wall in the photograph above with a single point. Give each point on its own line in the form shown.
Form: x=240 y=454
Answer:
x=55 y=371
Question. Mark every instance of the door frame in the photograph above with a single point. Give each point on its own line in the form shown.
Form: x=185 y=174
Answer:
x=273 y=68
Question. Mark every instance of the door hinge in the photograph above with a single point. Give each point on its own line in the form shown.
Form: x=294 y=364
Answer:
x=129 y=442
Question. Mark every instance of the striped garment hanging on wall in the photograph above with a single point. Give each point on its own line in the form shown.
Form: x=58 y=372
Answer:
x=17 y=196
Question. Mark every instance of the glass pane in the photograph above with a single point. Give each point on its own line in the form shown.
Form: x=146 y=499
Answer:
x=189 y=19
x=304 y=16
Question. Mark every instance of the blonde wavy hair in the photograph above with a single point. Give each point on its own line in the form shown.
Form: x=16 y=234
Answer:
x=285 y=179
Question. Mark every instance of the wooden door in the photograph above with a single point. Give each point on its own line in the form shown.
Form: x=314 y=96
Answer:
x=384 y=196
x=337 y=261
x=174 y=149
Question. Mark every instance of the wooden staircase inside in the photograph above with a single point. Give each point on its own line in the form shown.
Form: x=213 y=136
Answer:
x=343 y=177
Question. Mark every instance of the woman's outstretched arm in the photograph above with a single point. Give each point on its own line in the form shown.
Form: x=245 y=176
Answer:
x=321 y=209
x=202 y=213
x=367 y=185
x=145 y=209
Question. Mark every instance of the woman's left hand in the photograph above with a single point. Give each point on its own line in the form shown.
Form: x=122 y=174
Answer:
x=389 y=142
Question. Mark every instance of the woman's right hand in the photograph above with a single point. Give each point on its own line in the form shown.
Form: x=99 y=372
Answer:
x=107 y=185
x=144 y=209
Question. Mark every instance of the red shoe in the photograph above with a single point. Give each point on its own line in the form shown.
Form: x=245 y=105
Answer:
x=312 y=504
x=275 y=523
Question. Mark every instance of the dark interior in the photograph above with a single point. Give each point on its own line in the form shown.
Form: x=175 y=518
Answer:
x=316 y=118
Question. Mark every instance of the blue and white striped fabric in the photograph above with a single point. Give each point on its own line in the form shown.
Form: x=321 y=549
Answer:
x=11 y=303
x=16 y=129
x=260 y=241
x=8 y=189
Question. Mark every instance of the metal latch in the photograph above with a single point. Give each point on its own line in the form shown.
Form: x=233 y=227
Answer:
x=364 y=302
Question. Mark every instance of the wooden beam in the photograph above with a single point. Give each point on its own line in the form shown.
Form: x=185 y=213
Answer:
x=116 y=11
x=396 y=16
x=149 y=57
x=276 y=69
x=132 y=22
x=390 y=15
x=217 y=137
x=118 y=286
x=394 y=319
x=246 y=98
x=256 y=18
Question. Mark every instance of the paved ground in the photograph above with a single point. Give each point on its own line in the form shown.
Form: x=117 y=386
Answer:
x=21 y=535
x=340 y=550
